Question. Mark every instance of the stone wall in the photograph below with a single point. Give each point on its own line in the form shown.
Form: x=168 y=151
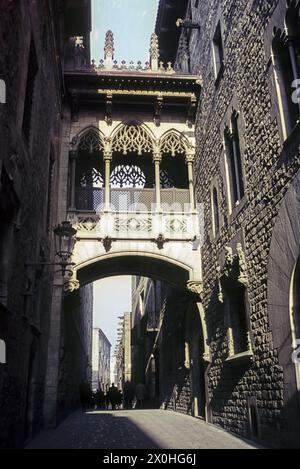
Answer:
x=76 y=349
x=247 y=85
x=168 y=346
x=25 y=235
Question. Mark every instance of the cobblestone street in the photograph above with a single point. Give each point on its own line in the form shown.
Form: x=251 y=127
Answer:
x=148 y=429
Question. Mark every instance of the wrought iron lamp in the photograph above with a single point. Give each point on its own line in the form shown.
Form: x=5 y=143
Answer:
x=64 y=244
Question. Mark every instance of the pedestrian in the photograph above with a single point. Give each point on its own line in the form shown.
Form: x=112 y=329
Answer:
x=140 y=394
x=113 y=396
x=85 y=394
x=119 y=399
x=99 y=399
x=128 y=392
x=106 y=400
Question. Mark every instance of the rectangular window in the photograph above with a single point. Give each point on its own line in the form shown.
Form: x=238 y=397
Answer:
x=237 y=309
x=218 y=51
x=31 y=76
x=215 y=212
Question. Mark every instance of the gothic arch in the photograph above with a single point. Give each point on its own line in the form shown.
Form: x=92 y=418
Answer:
x=283 y=256
x=132 y=136
x=174 y=143
x=90 y=138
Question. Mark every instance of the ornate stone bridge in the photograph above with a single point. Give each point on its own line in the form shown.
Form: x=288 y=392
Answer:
x=126 y=179
x=131 y=148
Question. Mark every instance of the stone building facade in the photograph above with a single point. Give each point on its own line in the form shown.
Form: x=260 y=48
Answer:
x=247 y=176
x=168 y=346
x=100 y=361
x=75 y=349
x=31 y=98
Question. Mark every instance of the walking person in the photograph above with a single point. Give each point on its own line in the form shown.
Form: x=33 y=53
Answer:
x=140 y=394
x=113 y=396
x=106 y=403
x=128 y=392
x=85 y=394
x=99 y=399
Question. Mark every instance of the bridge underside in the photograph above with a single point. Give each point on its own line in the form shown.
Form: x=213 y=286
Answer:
x=134 y=264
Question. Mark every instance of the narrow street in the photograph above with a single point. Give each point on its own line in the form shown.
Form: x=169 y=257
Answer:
x=136 y=429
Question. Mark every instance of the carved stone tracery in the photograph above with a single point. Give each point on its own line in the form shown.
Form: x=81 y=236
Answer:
x=173 y=143
x=132 y=138
x=91 y=141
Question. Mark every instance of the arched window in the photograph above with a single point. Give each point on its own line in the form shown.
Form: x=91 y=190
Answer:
x=218 y=51
x=295 y=305
x=173 y=168
x=234 y=161
x=286 y=62
x=89 y=180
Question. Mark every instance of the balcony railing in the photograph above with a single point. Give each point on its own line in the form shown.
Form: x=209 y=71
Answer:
x=132 y=200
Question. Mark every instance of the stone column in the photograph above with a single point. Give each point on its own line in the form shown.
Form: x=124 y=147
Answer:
x=53 y=364
x=190 y=161
x=107 y=160
x=73 y=162
x=157 y=161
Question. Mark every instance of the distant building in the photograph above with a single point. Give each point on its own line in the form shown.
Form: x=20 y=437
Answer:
x=100 y=360
x=123 y=353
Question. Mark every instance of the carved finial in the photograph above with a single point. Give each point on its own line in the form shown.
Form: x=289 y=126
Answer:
x=154 y=52
x=109 y=49
x=183 y=54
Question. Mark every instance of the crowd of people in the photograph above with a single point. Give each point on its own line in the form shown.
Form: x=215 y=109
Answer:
x=130 y=397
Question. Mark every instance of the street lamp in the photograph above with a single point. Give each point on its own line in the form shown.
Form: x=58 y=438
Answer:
x=64 y=244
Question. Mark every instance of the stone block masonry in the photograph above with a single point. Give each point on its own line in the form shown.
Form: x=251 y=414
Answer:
x=246 y=85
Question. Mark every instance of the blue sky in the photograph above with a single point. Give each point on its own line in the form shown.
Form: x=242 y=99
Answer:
x=112 y=298
x=131 y=21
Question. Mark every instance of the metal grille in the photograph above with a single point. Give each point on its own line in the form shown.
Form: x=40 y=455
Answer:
x=174 y=199
x=132 y=200
x=89 y=198
x=127 y=176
